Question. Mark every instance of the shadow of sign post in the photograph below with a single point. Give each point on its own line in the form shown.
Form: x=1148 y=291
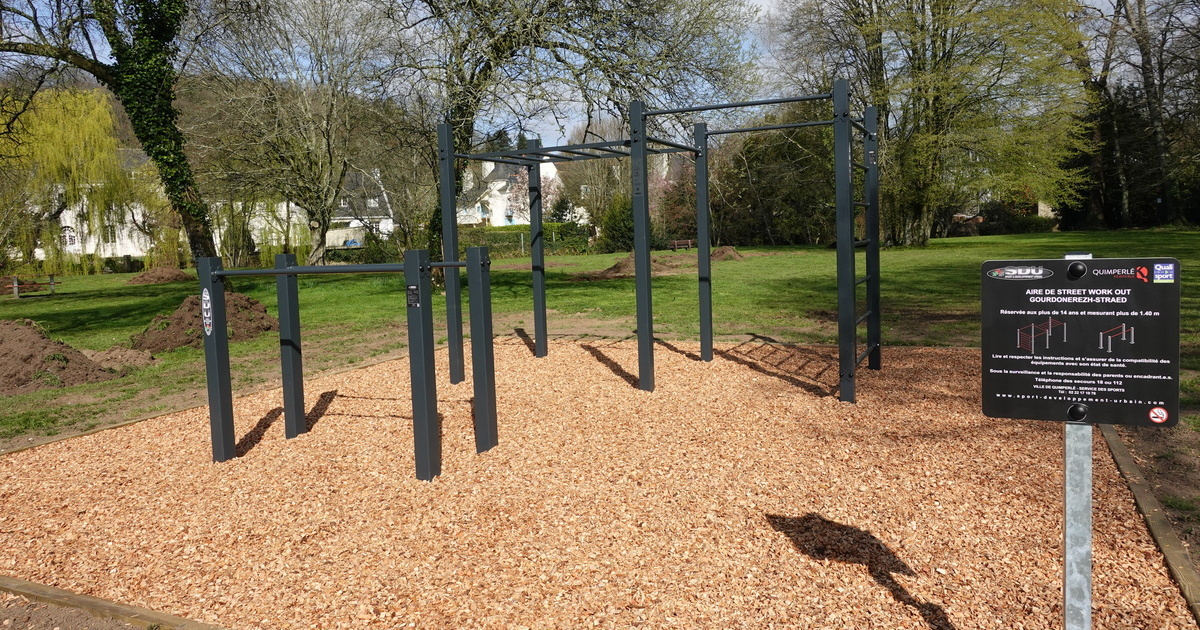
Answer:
x=822 y=539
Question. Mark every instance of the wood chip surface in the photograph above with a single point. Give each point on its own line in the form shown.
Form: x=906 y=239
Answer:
x=739 y=494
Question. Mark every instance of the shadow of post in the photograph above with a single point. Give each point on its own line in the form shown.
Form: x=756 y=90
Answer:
x=319 y=409
x=609 y=363
x=255 y=435
x=524 y=335
x=677 y=350
x=822 y=539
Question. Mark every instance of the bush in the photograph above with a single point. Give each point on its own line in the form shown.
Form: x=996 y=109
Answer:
x=511 y=241
x=1004 y=218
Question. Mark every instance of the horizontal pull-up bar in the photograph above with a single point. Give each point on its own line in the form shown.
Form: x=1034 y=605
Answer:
x=539 y=155
x=815 y=123
x=681 y=147
x=315 y=269
x=770 y=101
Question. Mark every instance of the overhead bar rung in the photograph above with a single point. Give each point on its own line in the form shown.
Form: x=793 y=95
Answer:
x=865 y=353
x=770 y=101
x=862 y=243
x=814 y=123
x=862 y=318
x=862 y=280
x=682 y=147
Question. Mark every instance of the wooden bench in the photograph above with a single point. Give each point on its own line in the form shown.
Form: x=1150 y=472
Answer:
x=27 y=285
x=681 y=244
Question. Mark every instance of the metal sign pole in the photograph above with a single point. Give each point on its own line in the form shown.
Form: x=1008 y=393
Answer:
x=1077 y=516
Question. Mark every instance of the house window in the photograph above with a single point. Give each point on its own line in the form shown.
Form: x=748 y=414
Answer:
x=345 y=202
x=110 y=234
x=372 y=203
x=68 y=236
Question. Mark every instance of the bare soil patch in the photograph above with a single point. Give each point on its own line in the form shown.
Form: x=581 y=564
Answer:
x=161 y=275
x=246 y=318
x=31 y=361
x=739 y=494
x=120 y=358
x=626 y=267
x=726 y=252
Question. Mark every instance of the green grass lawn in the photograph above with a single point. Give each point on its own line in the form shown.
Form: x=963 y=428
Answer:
x=930 y=297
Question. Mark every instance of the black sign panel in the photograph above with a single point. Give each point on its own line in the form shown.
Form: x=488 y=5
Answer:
x=1094 y=340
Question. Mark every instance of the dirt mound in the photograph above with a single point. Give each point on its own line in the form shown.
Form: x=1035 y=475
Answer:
x=119 y=358
x=29 y=360
x=246 y=318
x=626 y=268
x=161 y=275
x=726 y=252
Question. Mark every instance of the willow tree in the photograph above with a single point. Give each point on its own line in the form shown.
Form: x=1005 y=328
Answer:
x=980 y=98
x=130 y=47
x=65 y=156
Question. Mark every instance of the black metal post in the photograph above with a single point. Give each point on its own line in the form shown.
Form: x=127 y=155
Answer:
x=216 y=359
x=703 y=238
x=483 y=362
x=537 y=250
x=290 y=355
x=641 y=245
x=844 y=200
x=871 y=196
x=449 y=206
x=427 y=429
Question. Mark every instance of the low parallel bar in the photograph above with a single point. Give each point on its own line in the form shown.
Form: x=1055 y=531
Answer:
x=770 y=101
x=677 y=145
x=302 y=270
x=815 y=123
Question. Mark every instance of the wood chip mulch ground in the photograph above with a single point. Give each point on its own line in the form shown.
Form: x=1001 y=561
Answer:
x=739 y=494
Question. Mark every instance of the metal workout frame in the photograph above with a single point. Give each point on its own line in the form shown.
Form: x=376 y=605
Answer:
x=417 y=270
x=638 y=147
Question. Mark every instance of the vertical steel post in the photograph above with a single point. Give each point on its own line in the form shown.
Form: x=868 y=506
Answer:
x=703 y=238
x=641 y=245
x=1077 y=530
x=1077 y=519
x=483 y=362
x=448 y=200
x=290 y=355
x=537 y=249
x=216 y=358
x=427 y=426
x=871 y=197
x=844 y=199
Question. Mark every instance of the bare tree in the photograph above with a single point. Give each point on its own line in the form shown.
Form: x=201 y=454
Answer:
x=286 y=81
x=515 y=60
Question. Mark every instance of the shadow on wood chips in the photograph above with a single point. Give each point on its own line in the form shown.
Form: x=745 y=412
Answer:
x=822 y=539
x=255 y=435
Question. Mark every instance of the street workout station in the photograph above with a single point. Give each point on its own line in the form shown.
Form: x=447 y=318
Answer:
x=853 y=137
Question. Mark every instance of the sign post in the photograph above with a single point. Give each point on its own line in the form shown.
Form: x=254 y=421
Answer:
x=1082 y=341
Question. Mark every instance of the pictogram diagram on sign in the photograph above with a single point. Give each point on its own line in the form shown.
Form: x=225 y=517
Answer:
x=1027 y=335
x=1122 y=331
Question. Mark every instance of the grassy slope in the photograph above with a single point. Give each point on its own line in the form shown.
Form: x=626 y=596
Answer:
x=931 y=297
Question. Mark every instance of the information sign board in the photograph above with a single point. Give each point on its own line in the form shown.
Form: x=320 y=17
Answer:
x=1082 y=340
